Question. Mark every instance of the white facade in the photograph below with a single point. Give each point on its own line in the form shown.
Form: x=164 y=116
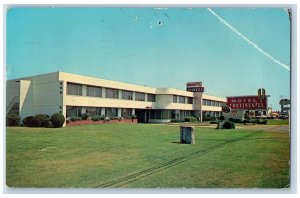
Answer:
x=72 y=94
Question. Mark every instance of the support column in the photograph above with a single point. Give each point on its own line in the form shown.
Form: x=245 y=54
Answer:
x=102 y=111
x=84 y=90
x=133 y=111
x=119 y=112
x=103 y=93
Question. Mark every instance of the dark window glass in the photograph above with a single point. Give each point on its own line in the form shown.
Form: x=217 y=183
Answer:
x=94 y=91
x=111 y=93
x=74 y=89
x=174 y=98
x=126 y=112
x=181 y=99
x=111 y=112
x=93 y=111
x=73 y=111
x=151 y=97
x=127 y=95
x=139 y=96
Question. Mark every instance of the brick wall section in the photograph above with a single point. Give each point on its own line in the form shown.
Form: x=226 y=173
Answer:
x=84 y=122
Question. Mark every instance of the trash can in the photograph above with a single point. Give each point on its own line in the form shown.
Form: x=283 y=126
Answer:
x=187 y=135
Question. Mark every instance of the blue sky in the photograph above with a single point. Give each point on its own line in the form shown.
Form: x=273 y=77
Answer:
x=155 y=47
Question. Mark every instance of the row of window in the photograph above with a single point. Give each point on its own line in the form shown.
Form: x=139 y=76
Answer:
x=170 y=114
x=211 y=113
x=96 y=111
x=113 y=112
x=213 y=103
x=181 y=99
x=76 y=89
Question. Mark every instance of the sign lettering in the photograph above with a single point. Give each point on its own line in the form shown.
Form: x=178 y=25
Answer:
x=246 y=102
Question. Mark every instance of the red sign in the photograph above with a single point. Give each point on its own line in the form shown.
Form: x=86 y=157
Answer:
x=193 y=84
x=246 y=102
x=194 y=87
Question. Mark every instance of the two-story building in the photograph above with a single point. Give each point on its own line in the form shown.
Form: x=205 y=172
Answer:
x=73 y=95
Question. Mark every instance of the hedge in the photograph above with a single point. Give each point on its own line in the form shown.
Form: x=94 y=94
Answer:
x=58 y=120
x=13 y=120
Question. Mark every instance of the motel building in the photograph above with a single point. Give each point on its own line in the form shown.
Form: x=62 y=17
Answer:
x=73 y=95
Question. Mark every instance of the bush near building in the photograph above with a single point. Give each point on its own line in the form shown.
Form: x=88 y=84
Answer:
x=84 y=116
x=57 y=120
x=261 y=121
x=75 y=118
x=228 y=125
x=38 y=120
x=190 y=119
x=27 y=121
x=12 y=120
x=47 y=123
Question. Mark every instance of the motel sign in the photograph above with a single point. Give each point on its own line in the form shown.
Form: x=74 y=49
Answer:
x=247 y=102
x=194 y=87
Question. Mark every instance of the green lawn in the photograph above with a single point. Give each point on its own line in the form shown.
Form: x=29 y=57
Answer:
x=278 y=122
x=145 y=156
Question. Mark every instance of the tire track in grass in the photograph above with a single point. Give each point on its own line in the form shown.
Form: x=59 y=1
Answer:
x=144 y=173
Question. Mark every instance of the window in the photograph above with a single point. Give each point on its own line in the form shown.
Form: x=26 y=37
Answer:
x=151 y=97
x=208 y=102
x=111 y=112
x=74 y=89
x=112 y=93
x=166 y=114
x=212 y=103
x=190 y=100
x=73 y=111
x=203 y=102
x=139 y=96
x=127 y=95
x=181 y=99
x=126 y=112
x=174 y=98
x=93 y=91
x=93 y=111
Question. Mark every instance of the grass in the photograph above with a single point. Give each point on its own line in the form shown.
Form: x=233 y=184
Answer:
x=145 y=156
x=278 y=122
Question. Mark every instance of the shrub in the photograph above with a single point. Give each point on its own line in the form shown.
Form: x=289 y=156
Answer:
x=222 y=117
x=96 y=118
x=127 y=117
x=213 y=122
x=57 y=120
x=134 y=116
x=190 y=119
x=261 y=121
x=37 y=120
x=207 y=118
x=75 y=118
x=228 y=125
x=27 y=121
x=249 y=121
x=102 y=117
x=47 y=123
x=84 y=116
x=13 y=120
x=176 y=120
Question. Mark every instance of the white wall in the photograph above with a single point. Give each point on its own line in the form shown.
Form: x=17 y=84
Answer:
x=166 y=102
